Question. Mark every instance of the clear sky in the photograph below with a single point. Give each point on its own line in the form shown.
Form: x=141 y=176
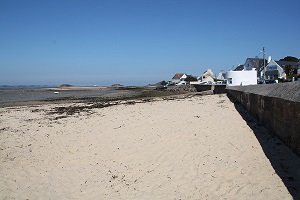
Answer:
x=135 y=42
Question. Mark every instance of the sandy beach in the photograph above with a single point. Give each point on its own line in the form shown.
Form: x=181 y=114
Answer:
x=192 y=148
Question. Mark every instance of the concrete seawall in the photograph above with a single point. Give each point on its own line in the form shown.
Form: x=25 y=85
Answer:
x=276 y=106
x=216 y=89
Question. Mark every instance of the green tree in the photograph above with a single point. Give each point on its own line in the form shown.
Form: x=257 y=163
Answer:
x=288 y=70
x=290 y=58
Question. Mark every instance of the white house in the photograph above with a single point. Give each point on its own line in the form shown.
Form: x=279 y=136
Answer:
x=221 y=75
x=207 y=76
x=178 y=77
x=272 y=71
x=245 y=77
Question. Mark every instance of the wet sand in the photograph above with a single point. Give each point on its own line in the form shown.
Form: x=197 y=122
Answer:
x=192 y=148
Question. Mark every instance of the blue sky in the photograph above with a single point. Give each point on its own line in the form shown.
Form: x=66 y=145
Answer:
x=87 y=42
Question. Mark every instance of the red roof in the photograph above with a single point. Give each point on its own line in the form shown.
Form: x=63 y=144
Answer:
x=178 y=76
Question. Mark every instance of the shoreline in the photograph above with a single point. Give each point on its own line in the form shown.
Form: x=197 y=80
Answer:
x=84 y=95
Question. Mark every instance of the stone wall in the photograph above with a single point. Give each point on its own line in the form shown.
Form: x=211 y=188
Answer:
x=182 y=88
x=219 y=89
x=215 y=89
x=276 y=106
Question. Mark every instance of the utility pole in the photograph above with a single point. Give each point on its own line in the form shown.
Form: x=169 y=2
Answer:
x=264 y=63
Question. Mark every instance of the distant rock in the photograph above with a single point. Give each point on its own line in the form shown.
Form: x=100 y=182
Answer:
x=117 y=85
x=65 y=85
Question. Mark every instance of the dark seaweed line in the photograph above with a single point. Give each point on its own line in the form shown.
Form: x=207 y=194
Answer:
x=71 y=110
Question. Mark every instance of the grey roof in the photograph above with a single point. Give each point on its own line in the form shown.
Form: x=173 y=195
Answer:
x=256 y=62
x=239 y=68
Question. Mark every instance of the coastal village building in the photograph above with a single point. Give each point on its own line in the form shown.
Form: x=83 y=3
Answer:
x=272 y=71
x=221 y=75
x=256 y=63
x=244 y=74
x=250 y=64
x=244 y=77
x=207 y=76
x=178 y=77
x=239 y=68
x=255 y=69
x=277 y=69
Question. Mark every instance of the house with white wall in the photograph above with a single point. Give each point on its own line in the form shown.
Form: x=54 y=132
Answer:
x=245 y=74
x=244 y=77
x=207 y=76
x=178 y=77
x=221 y=75
x=272 y=71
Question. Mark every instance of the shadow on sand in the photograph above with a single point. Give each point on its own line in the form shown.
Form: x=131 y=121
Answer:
x=285 y=162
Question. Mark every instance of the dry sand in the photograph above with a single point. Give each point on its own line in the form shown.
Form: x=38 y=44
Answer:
x=195 y=148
